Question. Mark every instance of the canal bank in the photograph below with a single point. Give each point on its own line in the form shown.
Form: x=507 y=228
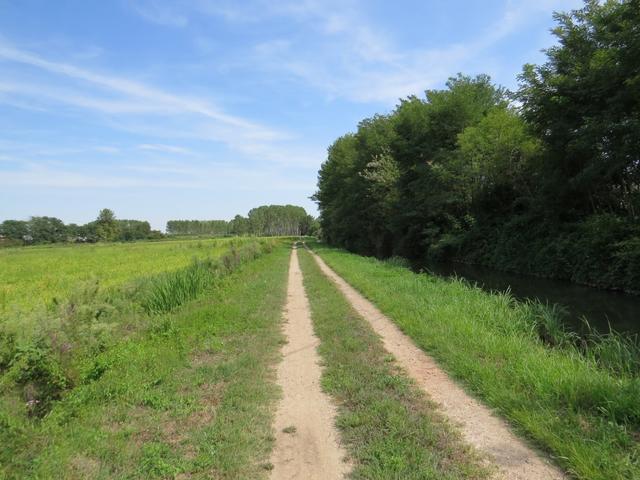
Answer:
x=599 y=308
x=579 y=405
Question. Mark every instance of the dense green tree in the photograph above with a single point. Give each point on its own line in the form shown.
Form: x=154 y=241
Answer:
x=239 y=225
x=46 y=230
x=584 y=102
x=497 y=163
x=274 y=220
x=198 y=227
x=263 y=220
x=336 y=193
x=106 y=226
x=549 y=184
x=14 y=229
x=133 y=230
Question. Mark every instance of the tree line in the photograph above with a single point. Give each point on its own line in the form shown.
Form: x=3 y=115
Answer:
x=544 y=180
x=106 y=228
x=198 y=227
x=266 y=220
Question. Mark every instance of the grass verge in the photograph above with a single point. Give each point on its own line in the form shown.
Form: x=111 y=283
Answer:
x=189 y=396
x=586 y=415
x=390 y=429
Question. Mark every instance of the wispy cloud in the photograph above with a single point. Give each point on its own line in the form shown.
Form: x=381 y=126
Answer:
x=131 y=88
x=347 y=55
x=366 y=66
x=184 y=115
x=165 y=148
x=160 y=12
x=155 y=175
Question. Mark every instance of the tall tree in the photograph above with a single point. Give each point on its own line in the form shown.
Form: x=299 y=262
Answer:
x=106 y=226
x=584 y=102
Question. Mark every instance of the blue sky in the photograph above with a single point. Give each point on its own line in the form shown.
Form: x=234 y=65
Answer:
x=165 y=109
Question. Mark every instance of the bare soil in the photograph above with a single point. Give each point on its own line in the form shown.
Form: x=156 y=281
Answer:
x=307 y=443
x=490 y=435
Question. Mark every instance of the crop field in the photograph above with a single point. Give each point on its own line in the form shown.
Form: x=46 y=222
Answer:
x=35 y=276
x=128 y=381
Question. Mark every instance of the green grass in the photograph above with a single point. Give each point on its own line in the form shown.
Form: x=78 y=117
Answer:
x=189 y=394
x=584 y=414
x=390 y=429
x=32 y=277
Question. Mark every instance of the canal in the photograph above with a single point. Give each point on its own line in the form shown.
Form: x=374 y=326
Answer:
x=599 y=307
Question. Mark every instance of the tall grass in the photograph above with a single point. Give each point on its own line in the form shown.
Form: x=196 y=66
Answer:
x=172 y=289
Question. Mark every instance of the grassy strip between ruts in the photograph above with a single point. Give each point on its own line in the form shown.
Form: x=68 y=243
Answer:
x=191 y=397
x=585 y=415
x=390 y=429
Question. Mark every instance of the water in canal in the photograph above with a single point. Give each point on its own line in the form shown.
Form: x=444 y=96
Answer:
x=599 y=307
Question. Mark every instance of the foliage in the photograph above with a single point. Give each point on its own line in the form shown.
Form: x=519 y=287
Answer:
x=133 y=230
x=274 y=220
x=39 y=230
x=35 y=230
x=106 y=226
x=584 y=102
x=548 y=185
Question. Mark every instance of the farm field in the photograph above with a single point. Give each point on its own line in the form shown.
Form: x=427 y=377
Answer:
x=34 y=276
x=165 y=392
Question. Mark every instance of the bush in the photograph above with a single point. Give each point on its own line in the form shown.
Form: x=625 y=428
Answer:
x=40 y=375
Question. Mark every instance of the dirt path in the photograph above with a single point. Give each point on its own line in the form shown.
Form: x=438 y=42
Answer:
x=307 y=445
x=480 y=428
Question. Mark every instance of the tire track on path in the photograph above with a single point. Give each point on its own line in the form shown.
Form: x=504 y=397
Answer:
x=489 y=434
x=307 y=442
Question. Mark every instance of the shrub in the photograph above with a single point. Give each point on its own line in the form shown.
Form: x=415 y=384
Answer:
x=39 y=374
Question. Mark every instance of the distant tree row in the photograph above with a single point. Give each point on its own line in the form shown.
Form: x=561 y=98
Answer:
x=266 y=220
x=106 y=228
x=543 y=181
x=197 y=227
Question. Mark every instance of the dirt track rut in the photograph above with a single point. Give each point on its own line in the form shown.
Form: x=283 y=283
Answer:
x=489 y=434
x=307 y=444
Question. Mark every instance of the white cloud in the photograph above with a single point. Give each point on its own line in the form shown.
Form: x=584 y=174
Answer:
x=347 y=55
x=357 y=60
x=206 y=176
x=165 y=148
x=162 y=13
x=127 y=101
x=131 y=88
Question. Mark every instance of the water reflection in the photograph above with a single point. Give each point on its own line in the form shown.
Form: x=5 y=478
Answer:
x=599 y=307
